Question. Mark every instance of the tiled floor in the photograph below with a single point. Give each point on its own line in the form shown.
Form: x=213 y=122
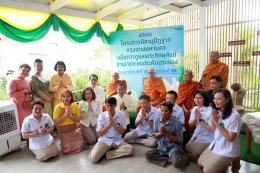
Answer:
x=24 y=162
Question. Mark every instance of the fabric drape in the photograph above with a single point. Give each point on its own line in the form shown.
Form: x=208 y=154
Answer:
x=57 y=24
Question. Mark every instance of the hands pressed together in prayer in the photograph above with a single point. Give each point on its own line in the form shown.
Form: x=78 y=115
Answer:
x=62 y=85
x=110 y=121
x=197 y=114
x=90 y=106
x=215 y=117
x=41 y=130
x=143 y=113
x=122 y=106
x=163 y=130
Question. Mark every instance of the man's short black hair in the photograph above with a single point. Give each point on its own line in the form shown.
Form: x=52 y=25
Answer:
x=38 y=102
x=146 y=97
x=174 y=93
x=37 y=61
x=94 y=75
x=110 y=100
x=217 y=78
x=168 y=105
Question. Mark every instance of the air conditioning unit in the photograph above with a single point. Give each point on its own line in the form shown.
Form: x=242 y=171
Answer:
x=10 y=138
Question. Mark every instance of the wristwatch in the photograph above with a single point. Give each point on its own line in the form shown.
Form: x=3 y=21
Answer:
x=146 y=119
x=201 y=120
x=117 y=124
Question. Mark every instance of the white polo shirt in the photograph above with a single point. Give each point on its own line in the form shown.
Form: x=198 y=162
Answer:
x=178 y=113
x=112 y=135
x=220 y=145
x=31 y=124
x=144 y=128
x=200 y=133
x=100 y=94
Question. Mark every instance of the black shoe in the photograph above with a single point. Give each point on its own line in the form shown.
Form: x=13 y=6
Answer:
x=85 y=147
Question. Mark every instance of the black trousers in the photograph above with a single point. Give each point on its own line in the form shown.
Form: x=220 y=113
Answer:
x=179 y=159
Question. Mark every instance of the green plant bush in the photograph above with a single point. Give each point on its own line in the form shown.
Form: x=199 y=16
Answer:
x=3 y=93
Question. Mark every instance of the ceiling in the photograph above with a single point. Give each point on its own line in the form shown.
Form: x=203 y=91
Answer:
x=135 y=12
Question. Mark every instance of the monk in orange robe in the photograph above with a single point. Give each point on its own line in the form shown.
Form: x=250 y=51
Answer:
x=154 y=88
x=185 y=98
x=215 y=68
x=111 y=85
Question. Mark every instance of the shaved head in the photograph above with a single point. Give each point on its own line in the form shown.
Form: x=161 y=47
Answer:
x=214 y=56
x=188 y=75
x=115 y=76
x=151 y=72
x=189 y=72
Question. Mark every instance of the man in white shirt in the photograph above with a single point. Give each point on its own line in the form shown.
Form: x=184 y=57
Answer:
x=110 y=127
x=99 y=91
x=125 y=104
x=144 y=123
x=178 y=113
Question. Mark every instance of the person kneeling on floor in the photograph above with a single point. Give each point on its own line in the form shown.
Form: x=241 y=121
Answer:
x=38 y=127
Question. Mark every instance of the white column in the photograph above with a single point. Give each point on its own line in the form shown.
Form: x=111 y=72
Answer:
x=202 y=40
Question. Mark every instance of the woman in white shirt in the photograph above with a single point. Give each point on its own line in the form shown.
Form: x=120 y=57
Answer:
x=226 y=125
x=38 y=127
x=90 y=110
x=200 y=117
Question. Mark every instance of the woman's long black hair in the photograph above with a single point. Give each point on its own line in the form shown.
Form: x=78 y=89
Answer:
x=228 y=108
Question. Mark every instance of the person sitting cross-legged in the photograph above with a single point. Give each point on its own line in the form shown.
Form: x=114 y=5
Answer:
x=110 y=127
x=168 y=132
x=144 y=123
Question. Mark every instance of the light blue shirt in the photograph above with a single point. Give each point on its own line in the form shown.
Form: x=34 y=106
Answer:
x=165 y=144
x=144 y=128
x=31 y=124
x=200 y=133
x=112 y=135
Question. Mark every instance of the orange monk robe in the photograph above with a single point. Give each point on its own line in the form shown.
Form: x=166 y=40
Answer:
x=155 y=88
x=111 y=87
x=215 y=69
x=185 y=96
x=185 y=93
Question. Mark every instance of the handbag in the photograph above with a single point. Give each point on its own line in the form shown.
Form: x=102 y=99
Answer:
x=27 y=104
